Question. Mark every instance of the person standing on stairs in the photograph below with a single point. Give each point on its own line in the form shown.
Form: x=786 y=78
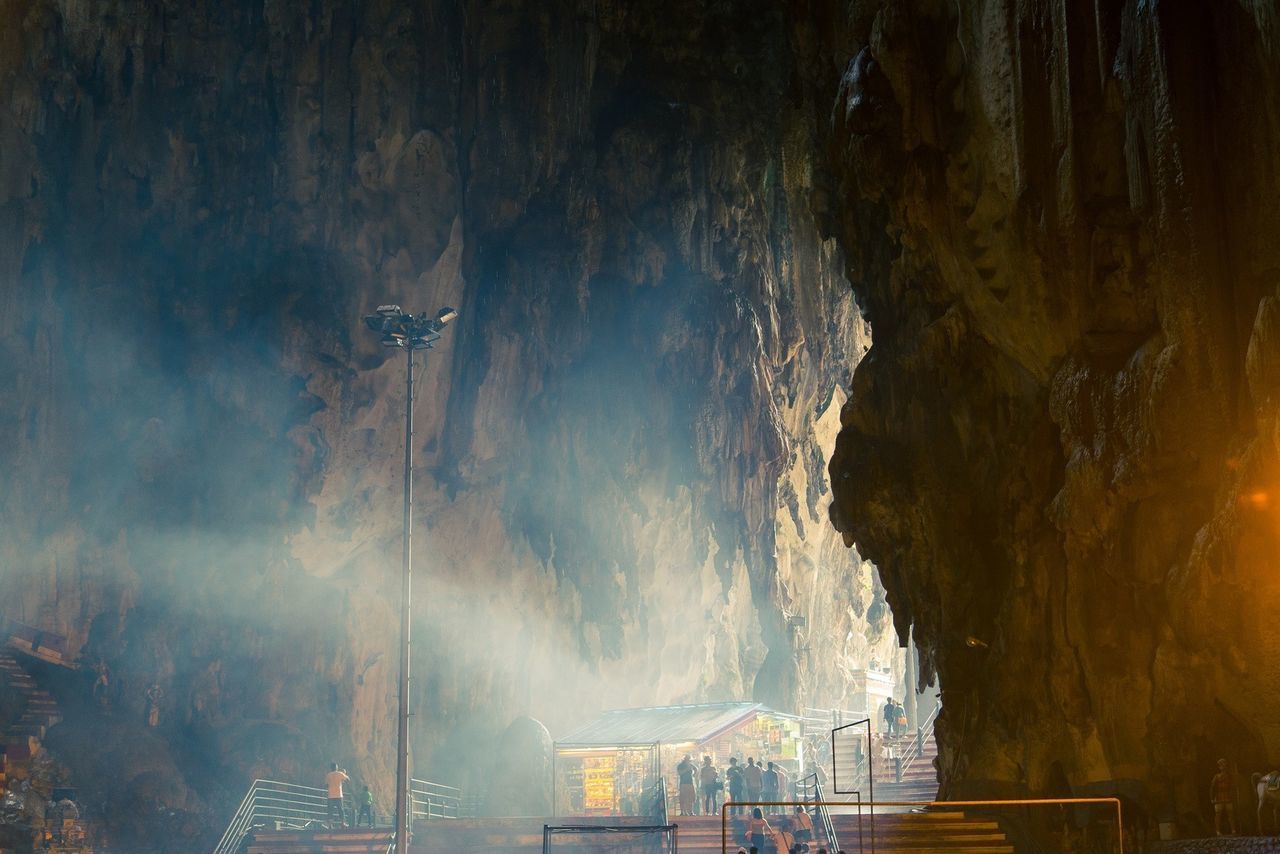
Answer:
x=733 y=775
x=709 y=777
x=890 y=714
x=771 y=782
x=688 y=793
x=753 y=777
x=334 y=780
x=900 y=717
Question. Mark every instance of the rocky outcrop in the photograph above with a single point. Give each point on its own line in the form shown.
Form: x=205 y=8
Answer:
x=1063 y=441
x=621 y=485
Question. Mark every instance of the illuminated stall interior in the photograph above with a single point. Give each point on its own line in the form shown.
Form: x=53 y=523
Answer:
x=610 y=765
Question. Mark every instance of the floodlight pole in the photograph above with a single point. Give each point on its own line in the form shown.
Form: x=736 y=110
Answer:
x=404 y=810
x=409 y=332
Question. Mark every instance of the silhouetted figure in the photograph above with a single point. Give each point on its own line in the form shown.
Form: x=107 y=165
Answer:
x=771 y=781
x=737 y=786
x=1222 y=791
x=687 y=792
x=890 y=714
x=709 y=777
x=366 y=807
x=753 y=777
x=334 y=780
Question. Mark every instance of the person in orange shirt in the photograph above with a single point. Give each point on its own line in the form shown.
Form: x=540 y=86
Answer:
x=758 y=829
x=334 y=780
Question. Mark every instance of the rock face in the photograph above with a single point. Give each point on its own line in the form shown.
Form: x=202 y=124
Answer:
x=620 y=454
x=1063 y=442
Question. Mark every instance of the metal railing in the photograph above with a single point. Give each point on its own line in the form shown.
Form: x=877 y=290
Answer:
x=916 y=749
x=274 y=801
x=294 y=806
x=660 y=802
x=818 y=803
x=433 y=800
x=1118 y=848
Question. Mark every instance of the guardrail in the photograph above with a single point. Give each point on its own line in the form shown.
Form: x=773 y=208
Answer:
x=660 y=801
x=434 y=800
x=292 y=805
x=273 y=801
x=945 y=805
x=818 y=802
x=923 y=732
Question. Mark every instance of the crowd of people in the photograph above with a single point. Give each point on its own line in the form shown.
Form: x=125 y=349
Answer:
x=793 y=833
x=701 y=787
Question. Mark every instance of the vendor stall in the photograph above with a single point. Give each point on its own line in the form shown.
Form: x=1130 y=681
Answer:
x=610 y=766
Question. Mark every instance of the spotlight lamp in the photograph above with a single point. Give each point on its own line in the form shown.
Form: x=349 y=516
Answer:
x=410 y=331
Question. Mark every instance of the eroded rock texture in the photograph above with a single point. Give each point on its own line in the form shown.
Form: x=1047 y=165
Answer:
x=1063 y=442
x=621 y=485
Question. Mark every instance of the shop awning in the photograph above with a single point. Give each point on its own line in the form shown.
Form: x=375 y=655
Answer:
x=667 y=724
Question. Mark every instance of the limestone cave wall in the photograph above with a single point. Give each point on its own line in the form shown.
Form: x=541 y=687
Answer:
x=1063 y=442
x=621 y=445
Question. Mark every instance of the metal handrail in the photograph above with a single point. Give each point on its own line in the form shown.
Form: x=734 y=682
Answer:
x=660 y=801
x=928 y=805
x=824 y=815
x=273 y=800
x=916 y=750
x=434 y=800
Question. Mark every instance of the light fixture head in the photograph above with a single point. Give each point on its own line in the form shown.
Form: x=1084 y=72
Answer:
x=408 y=331
x=975 y=643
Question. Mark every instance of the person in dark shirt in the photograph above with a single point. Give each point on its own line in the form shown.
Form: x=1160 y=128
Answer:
x=688 y=792
x=753 y=777
x=709 y=777
x=737 y=786
x=770 y=792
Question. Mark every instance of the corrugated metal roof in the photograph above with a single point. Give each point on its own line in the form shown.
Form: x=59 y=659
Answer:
x=668 y=724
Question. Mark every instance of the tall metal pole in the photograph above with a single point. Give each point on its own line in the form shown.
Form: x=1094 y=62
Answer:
x=404 y=811
x=398 y=328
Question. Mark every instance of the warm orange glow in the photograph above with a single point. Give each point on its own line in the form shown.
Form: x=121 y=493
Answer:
x=1258 y=498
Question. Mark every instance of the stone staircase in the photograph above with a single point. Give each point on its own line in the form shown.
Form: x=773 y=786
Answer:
x=909 y=833
x=32 y=712
x=919 y=778
x=455 y=836
x=897 y=833
x=511 y=835
x=318 y=841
